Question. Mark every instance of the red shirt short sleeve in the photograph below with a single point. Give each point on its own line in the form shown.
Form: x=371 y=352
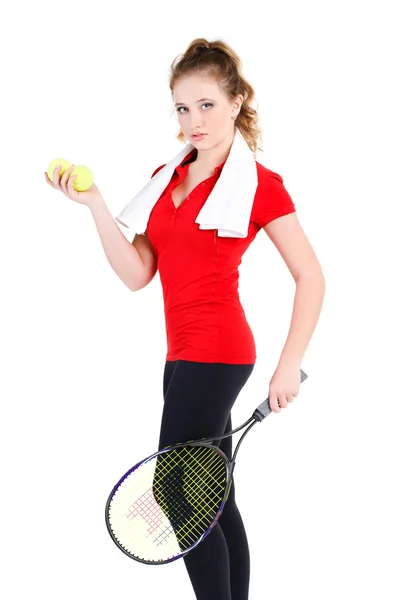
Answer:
x=271 y=200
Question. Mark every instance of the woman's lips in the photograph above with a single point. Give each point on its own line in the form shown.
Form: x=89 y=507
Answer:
x=198 y=137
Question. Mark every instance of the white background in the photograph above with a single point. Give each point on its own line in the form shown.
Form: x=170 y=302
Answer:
x=83 y=357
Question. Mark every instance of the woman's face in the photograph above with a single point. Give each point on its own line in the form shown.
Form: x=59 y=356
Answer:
x=202 y=107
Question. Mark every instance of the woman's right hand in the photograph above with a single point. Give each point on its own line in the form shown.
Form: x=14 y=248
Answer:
x=65 y=184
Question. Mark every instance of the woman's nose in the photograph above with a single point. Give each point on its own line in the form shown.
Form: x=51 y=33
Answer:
x=196 y=120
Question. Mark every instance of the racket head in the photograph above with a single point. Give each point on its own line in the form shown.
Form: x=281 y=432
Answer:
x=168 y=503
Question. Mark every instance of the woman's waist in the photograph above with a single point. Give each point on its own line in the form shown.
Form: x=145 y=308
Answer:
x=213 y=317
x=215 y=328
x=228 y=305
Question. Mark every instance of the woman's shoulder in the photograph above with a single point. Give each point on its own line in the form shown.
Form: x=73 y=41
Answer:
x=271 y=199
x=265 y=175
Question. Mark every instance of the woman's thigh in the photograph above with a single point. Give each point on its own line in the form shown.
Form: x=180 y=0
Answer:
x=198 y=398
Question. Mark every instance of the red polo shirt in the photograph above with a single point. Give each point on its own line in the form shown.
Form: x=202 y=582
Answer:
x=204 y=318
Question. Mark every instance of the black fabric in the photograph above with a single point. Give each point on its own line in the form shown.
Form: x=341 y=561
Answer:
x=198 y=398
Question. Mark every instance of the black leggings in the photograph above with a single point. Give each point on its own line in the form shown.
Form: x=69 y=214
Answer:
x=198 y=398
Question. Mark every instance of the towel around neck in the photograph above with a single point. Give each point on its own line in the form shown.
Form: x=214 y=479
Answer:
x=228 y=206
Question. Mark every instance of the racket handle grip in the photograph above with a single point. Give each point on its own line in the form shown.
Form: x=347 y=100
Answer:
x=264 y=409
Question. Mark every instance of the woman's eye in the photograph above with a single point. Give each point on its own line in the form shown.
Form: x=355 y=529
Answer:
x=180 y=107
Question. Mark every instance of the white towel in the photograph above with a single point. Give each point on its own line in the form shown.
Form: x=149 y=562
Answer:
x=228 y=206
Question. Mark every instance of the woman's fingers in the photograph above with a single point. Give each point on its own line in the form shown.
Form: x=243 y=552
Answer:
x=274 y=403
x=65 y=184
x=70 y=186
x=56 y=178
x=64 y=179
x=278 y=401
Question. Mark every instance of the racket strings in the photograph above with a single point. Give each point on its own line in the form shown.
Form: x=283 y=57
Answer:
x=198 y=473
x=152 y=516
x=173 y=506
x=194 y=501
x=167 y=503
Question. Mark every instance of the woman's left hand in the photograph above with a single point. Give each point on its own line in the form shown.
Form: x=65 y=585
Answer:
x=284 y=386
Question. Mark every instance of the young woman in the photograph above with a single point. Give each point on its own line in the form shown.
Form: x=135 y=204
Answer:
x=197 y=247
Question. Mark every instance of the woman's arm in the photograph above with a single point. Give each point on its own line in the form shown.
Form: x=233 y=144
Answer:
x=294 y=247
x=136 y=263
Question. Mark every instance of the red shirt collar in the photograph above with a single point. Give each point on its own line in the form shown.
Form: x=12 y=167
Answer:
x=191 y=157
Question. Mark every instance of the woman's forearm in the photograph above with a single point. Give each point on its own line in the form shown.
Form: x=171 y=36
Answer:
x=309 y=296
x=123 y=257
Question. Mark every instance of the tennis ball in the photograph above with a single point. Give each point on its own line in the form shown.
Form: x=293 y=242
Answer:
x=84 y=178
x=57 y=161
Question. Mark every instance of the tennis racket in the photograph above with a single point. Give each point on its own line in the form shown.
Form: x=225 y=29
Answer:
x=166 y=504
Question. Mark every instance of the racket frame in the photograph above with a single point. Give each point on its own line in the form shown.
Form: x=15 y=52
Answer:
x=228 y=472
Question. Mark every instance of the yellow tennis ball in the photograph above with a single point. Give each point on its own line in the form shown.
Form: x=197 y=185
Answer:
x=84 y=178
x=65 y=164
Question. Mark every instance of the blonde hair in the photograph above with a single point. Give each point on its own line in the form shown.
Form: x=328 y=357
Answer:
x=217 y=59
